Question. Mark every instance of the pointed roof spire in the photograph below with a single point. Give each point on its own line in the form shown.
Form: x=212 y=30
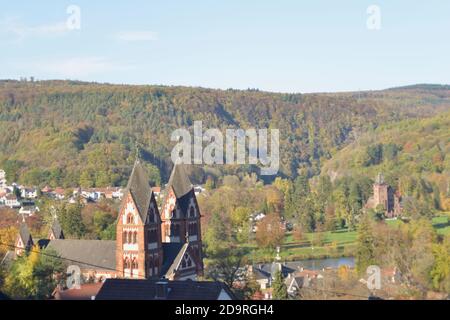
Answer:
x=56 y=228
x=179 y=181
x=139 y=187
x=24 y=234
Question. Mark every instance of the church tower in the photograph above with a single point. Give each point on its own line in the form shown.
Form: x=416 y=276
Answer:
x=380 y=192
x=180 y=216
x=138 y=246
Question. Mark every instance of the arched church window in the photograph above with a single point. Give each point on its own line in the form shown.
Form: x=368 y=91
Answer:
x=125 y=237
x=126 y=263
x=130 y=235
x=192 y=212
x=135 y=237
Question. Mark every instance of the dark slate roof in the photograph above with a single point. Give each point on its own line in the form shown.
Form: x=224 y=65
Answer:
x=179 y=181
x=24 y=233
x=133 y=289
x=266 y=271
x=139 y=187
x=87 y=254
x=57 y=230
x=261 y=274
x=172 y=255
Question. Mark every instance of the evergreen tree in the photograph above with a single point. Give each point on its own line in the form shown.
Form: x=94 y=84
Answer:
x=279 y=289
x=365 y=252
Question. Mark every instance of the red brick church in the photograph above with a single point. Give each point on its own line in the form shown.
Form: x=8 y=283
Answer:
x=149 y=243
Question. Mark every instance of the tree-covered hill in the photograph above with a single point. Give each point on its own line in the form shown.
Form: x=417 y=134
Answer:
x=73 y=133
x=413 y=155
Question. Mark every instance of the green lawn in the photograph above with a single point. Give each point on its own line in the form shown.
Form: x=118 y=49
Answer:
x=440 y=223
x=334 y=244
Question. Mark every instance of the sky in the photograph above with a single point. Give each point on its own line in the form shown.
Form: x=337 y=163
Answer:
x=280 y=46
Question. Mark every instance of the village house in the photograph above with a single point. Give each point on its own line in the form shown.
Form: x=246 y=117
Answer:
x=10 y=200
x=301 y=279
x=2 y=179
x=149 y=244
x=28 y=210
x=28 y=193
x=95 y=194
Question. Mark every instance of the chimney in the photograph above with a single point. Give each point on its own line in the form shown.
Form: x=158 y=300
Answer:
x=162 y=289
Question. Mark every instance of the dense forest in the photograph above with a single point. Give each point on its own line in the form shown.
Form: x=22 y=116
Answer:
x=66 y=133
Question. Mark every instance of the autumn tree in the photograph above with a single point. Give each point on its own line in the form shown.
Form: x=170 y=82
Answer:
x=34 y=275
x=270 y=232
x=365 y=252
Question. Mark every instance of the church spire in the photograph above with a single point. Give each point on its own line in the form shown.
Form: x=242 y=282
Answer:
x=179 y=181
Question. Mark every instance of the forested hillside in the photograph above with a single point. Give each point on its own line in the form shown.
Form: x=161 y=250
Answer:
x=413 y=155
x=69 y=133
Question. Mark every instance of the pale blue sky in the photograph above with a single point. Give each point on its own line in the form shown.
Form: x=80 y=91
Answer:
x=287 y=46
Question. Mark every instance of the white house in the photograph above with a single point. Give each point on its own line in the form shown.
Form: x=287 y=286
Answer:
x=11 y=201
x=28 y=210
x=2 y=178
x=198 y=190
x=29 y=193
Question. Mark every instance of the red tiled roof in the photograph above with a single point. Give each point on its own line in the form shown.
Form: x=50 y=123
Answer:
x=85 y=292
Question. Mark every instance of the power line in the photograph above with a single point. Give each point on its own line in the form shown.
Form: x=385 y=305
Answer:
x=61 y=258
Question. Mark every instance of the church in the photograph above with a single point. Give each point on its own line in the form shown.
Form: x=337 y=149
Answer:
x=150 y=244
